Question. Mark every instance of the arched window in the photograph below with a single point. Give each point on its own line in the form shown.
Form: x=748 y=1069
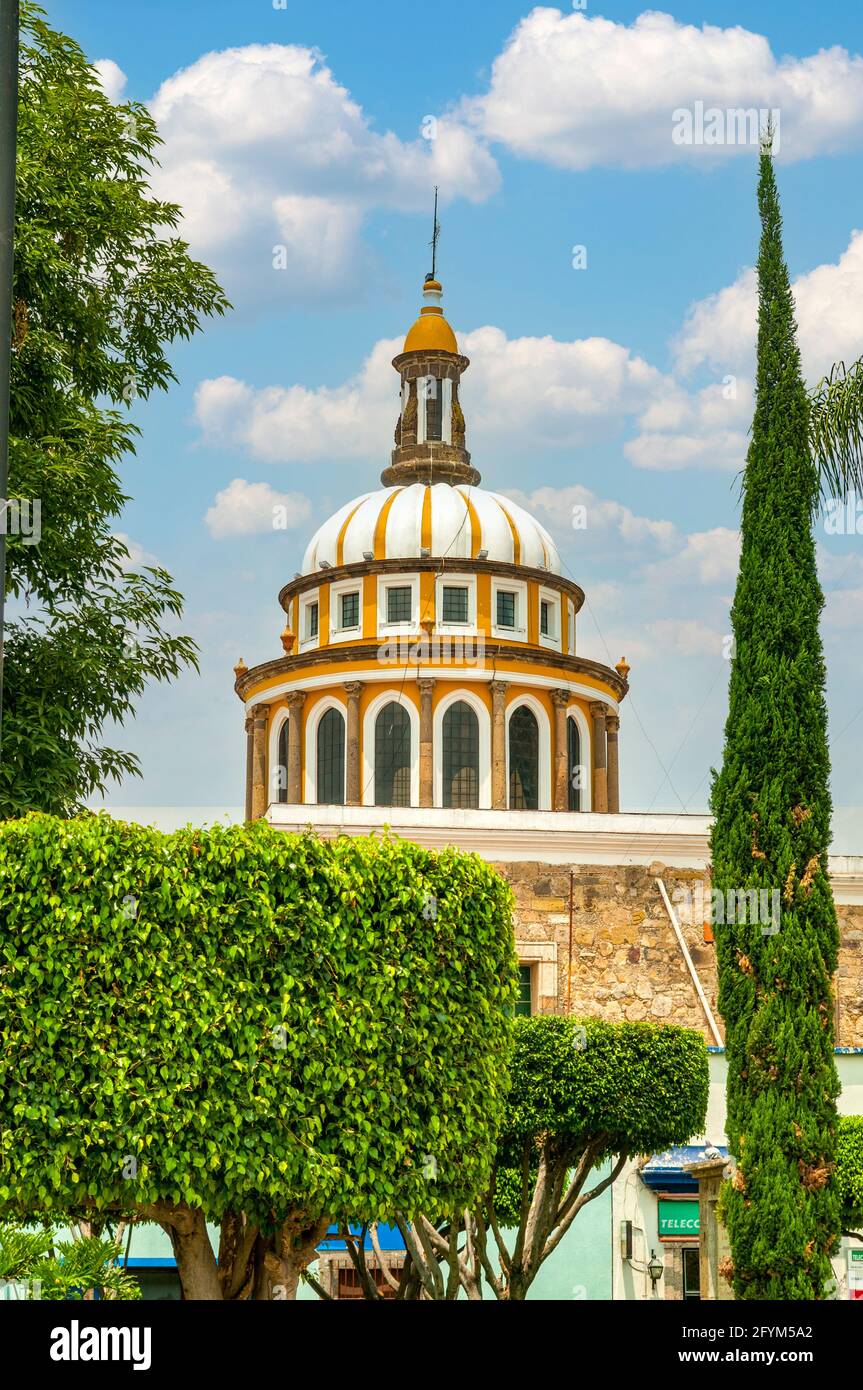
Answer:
x=523 y=760
x=460 y=756
x=393 y=756
x=282 y=763
x=574 y=770
x=331 y=759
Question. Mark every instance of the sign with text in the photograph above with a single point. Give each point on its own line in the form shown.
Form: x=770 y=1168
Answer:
x=678 y=1218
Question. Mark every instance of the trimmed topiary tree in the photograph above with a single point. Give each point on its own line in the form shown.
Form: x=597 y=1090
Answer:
x=849 y=1174
x=583 y=1092
x=771 y=807
x=237 y=1026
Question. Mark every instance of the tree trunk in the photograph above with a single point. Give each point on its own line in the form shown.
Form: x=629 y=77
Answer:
x=196 y=1262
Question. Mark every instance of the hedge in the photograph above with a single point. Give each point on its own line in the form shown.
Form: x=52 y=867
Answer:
x=238 y=1019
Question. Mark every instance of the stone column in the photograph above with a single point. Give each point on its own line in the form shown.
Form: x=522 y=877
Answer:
x=259 y=762
x=353 y=690
x=250 y=759
x=561 y=769
x=598 y=713
x=499 y=798
x=714 y=1246
x=426 y=690
x=612 y=728
x=295 y=702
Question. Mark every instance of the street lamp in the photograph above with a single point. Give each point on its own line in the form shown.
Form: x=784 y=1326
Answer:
x=655 y=1269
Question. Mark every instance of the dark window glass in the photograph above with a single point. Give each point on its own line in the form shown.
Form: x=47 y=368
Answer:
x=545 y=618
x=399 y=605
x=505 y=608
x=523 y=1002
x=331 y=759
x=573 y=744
x=523 y=761
x=691 y=1274
x=460 y=756
x=393 y=756
x=454 y=604
x=350 y=610
x=434 y=408
x=282 y=769
x=312 y=615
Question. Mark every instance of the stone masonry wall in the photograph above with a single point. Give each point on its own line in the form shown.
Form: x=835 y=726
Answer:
x=626 y=963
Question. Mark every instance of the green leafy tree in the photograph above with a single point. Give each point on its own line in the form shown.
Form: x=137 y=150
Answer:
x=771 y=807
x=586 y=1096
x=39 y=1266
x=849 y=1174
x=267 y=1032
x=101 y=286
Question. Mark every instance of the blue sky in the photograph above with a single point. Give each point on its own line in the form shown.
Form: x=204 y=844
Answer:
x=623 y=385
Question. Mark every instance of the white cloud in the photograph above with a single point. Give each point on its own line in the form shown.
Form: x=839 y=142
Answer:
x=252 y=509
x=720 y=331
x=112 y=78
x=518 y=392
x=269 y=157
x=577 y=91
x=706 y=557
x=138 y=556
x=596 y=517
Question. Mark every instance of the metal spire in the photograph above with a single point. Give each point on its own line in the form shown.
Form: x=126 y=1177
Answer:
x=434 y=241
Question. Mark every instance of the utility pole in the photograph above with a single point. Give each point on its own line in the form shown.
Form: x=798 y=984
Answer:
x=9 y=26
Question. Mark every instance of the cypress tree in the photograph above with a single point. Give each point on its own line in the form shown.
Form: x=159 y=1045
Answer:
x=771 y=808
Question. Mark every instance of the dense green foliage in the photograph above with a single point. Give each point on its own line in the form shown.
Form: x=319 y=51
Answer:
x=616 y=1088
x=240 y=1020
x=771 y=805
x=42 y=1267
x=849 y=1171
x=101 y=285
x=586 y=1095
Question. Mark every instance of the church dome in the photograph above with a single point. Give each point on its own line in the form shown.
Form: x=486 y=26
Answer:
x=434 y=520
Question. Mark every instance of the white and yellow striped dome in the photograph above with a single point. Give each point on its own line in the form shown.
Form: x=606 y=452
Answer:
x=401 y=523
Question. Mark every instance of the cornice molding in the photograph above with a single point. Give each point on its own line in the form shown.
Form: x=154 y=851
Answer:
x=365 y=655
x=546 y=837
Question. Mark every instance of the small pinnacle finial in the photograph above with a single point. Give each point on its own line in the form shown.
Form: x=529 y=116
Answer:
x=240 y=669
x=623 y=668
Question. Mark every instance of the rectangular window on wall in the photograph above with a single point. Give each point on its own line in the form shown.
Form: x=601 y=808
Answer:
x=505 y=608
x=399 y=604
x=545 y=618
x=350 y=610
x=523 y=1004
x=455 y=604
x=312 y=620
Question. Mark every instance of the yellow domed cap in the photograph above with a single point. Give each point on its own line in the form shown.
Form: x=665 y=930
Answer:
x=431 y=332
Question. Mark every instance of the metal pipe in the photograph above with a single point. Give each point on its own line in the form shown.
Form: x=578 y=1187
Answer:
x=717 y=1036
x=569 y=966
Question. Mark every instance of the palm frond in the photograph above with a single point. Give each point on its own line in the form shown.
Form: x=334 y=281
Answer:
x=836 y=430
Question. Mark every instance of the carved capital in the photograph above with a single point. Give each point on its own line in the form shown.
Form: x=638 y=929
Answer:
x=295 y=700
x=560 y=698
x=353 y=689
x=598 y=710
x=426 y=685
x=498 y=688
x=612 y=723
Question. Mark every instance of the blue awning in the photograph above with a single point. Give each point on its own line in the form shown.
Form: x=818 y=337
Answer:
x=667 y=1172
